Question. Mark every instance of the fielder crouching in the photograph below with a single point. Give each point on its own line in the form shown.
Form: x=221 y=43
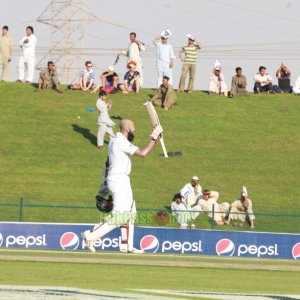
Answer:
x=120 y=151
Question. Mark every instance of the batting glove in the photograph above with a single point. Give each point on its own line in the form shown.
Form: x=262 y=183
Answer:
x=156 y=133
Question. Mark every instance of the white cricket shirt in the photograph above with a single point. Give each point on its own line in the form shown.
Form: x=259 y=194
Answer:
x=120 y=151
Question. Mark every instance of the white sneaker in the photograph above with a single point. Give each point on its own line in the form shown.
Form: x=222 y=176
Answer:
x=136 y=251
x=89 y=244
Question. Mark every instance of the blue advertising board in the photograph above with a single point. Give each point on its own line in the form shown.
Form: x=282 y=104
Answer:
x=154 y=239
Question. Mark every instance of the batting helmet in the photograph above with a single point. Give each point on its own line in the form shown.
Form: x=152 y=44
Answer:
x=104 y=204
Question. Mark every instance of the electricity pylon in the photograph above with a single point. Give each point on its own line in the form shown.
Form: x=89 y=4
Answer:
x=67 y=19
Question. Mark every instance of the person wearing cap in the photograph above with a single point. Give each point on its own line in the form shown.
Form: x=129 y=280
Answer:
x=238 y=84
x=192 y=191
x=6 y=48
x=241 y=211
x=109 y=80
x=217 y=82
x=105 y=124
x=188 y=56
x=183 y=212
x=133 y=53
x=164 y=56
x=215 y=211
x=27 y=57
x=165 y=96
x=132 y=78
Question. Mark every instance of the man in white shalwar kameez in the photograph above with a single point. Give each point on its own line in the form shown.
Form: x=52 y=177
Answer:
x=27 y=57
x=133 y=53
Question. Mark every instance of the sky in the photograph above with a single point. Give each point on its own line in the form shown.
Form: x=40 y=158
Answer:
x=236 y=32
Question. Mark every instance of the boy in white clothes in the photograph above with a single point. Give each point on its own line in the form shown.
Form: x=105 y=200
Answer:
x=105 y=124
x=183 y=212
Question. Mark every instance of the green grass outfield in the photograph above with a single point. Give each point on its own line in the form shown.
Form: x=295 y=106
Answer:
x=48 y=155
x=122 y=272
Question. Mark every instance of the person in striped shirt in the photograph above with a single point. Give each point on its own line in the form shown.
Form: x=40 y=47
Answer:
x=87 y=77
x=188 y=56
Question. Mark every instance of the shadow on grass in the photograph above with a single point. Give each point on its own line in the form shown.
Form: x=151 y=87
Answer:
x=116 y=118
x=85 y=132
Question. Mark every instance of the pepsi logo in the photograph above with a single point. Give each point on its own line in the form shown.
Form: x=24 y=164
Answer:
x=1 y=239
x=296 y=251
x=225 y=247
x=149 y=243
x=69 y=241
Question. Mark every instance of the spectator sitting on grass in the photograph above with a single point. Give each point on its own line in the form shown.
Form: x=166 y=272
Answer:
x=217 y=81
x=86 y=79
x=238 y=84
x=165 y=96
x=263 y=82
x=49 y=78
x=183 y=212
x=192 y=191
x=132 y=78
x=284 y=79
x=241 y=211
x=296 y=88
x=209 y=204
x=110 y=80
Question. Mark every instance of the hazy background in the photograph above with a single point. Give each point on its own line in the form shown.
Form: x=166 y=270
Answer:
x=237 y=33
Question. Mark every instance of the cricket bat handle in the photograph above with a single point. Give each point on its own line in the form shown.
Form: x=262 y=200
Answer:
x=163 y=147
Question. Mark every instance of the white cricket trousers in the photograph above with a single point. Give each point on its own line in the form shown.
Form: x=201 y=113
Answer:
x=26 y=63
x=163 y=69
x=103 y=128
x=123 y=213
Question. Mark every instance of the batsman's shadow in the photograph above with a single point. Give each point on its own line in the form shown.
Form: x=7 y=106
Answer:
x=85 y=132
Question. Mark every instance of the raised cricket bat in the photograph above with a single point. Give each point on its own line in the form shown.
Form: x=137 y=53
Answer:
x=117 y=59
x=155 y=121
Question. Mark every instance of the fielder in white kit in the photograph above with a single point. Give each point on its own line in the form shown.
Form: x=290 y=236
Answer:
x=120 y=151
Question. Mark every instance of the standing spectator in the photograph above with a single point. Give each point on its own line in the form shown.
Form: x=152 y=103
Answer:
x=49 y=78
x=209 y=202
x=217 y=81
x=164 y=56
x=284 y=79
x=104 y=122
x=27 y=57
x=165 y=96
x=263 y=81
x=238 y=84
x=192 y=191
x=188 y=56
x=133 y=53
x=132 y=78
x=241 y=210
x=6 y=48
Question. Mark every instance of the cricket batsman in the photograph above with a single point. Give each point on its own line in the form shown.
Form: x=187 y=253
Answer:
x=120 y=151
